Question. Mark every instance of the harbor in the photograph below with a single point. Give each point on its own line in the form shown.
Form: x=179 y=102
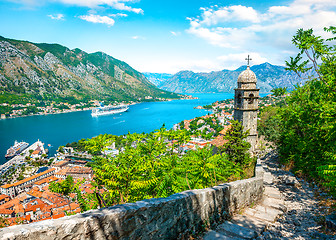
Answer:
x=60 y=129
x=35 y=150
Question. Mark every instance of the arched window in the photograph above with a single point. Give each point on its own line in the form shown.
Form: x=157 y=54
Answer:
x=251 y=98
x=239 y=98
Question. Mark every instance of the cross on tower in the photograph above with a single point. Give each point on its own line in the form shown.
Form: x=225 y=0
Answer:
x=248 y=60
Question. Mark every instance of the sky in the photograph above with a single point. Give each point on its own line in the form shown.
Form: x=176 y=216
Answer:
x=167 y=36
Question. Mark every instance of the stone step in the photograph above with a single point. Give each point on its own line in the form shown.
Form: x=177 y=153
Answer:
x=263 y=213
x=250 y=222
x=235 y=230
x=268 y=178
x=213 y=235
x=274 y=203
x=272 y=192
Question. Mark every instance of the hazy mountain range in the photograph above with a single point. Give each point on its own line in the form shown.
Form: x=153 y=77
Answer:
x=269 y=76
x=52 y=70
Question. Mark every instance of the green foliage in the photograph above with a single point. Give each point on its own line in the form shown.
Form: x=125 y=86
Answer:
x=68 y=186
x=306 y=125
x=61 y=149
x=3 y=222
x=328 y=174
x=149 y=168
x=95 y=145
x=269 y=123
x=277 y=92
x=207 y=106
x=236 y=147
x=72 y=89
x=30 y=110
x=63 y=187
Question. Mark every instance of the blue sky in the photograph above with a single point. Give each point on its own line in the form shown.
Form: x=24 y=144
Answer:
x=169 y=36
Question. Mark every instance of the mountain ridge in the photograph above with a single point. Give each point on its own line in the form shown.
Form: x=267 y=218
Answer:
x=269 y=76
x=55 y=71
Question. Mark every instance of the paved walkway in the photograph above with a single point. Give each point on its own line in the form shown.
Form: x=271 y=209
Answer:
x=288 y=210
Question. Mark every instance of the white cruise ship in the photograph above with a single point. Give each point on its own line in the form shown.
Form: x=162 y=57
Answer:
x=16 y=149
x=99 y=111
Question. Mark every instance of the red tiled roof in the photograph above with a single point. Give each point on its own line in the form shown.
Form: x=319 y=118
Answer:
x=27 y=179
x=6 y=211
x=58 y=215
x=218 y=141
x=3 y=196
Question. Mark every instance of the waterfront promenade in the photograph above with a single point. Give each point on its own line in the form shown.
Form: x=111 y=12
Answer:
x=20 y=159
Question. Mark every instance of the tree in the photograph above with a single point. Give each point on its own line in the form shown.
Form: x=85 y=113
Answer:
x=278 y=92
x=236 y=147
x=64 y=187
x=61 y=149
x=307 y=123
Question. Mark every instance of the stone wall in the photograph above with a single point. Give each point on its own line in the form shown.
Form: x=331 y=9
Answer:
x=173 y=217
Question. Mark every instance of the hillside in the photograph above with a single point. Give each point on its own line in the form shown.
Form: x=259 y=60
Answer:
x=269 y=77
x=157 y=78
x=51 y=71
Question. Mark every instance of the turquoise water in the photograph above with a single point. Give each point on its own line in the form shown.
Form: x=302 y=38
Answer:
x=59 y=129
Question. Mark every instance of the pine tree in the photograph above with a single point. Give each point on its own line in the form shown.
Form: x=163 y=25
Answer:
x=236 y=147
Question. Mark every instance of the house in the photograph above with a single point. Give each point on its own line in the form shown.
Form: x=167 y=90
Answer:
x=4 y=198
x=16 y=188
x=76 y=172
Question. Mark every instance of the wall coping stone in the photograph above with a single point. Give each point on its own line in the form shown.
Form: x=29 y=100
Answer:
x=176 y=216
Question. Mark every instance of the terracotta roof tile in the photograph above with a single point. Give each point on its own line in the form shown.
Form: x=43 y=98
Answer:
x=27 y=179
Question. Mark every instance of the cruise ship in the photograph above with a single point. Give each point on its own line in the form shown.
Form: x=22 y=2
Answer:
x=16 y=149
x=99 y=111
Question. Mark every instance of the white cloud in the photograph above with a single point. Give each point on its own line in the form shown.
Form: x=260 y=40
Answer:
x=244 y=29
x=118 y=15
x=56 y=16
x=98 y=19
x=122 y=6
x=235 y=13
x=116 y=4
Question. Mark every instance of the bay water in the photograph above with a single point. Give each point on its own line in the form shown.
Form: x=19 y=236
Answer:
x=60 y=129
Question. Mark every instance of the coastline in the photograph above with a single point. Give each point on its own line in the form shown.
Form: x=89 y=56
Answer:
x=88 y=109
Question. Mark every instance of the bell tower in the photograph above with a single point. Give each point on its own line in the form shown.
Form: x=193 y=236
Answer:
x=246 y=103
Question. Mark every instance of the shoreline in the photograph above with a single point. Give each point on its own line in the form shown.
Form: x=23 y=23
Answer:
x=87 y=109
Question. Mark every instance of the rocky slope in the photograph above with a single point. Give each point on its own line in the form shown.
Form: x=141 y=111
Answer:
x=157 y=78
x=269 y=76
x=52 y=70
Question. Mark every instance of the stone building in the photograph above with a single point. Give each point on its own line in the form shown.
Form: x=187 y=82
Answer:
x=246 y=104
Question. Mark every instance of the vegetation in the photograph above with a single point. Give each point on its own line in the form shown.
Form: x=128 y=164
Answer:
x=148 y=166
x=235 y=147
x=213 y=106
x=305 y=125
x=205 y=127
x=115 y=79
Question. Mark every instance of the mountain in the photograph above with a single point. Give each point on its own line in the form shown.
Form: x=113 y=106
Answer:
x=53 y=71
x=269 y=76
x=157 y=78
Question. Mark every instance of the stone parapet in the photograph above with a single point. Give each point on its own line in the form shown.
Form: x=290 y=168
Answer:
x=174 y=217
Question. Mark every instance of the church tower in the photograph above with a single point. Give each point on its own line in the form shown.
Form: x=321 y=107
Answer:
x=246 y=103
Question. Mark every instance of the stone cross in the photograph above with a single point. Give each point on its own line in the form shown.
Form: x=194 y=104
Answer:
x=248 y=60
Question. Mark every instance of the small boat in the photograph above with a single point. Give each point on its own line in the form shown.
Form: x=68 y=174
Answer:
x=99 y=111
x=16 y=149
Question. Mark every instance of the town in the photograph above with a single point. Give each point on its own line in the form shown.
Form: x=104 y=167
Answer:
x=30 y=200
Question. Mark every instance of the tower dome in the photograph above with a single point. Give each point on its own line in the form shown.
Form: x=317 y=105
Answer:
x=247 y=76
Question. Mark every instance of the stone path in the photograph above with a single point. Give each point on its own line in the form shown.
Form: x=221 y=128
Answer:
x=288 y=210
